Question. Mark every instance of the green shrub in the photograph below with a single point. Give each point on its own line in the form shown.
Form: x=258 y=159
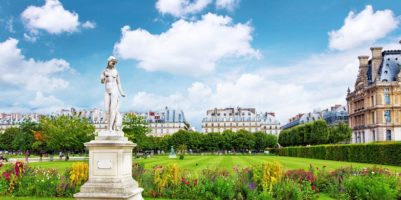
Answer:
x=290 y=190
x=371 y=187
x=386 y=153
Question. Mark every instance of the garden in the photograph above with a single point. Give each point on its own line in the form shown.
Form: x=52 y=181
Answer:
x=215 y=177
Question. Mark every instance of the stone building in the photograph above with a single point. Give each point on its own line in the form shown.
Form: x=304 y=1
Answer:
x=336 y=114
x=235 y=119
x=166 y=122
x=375 y=104
x=303 y=118
x=8 y=120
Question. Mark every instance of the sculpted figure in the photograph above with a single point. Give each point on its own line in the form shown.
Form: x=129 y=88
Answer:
x=113 y=90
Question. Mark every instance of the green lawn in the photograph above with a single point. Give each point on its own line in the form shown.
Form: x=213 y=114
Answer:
x=59 y=164
x=197 y=163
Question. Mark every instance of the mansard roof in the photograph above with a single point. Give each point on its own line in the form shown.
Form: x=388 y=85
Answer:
x=389 y=68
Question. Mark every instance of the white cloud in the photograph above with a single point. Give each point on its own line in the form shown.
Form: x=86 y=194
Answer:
x=318 y=81
x=51 y=17
x=363 y=28
x=89 y=25
x=29 y=74
x=30 y=37
x=45 y=104
x=229 y=5
x=188 y=47
x=180 y=8
x=10 y=25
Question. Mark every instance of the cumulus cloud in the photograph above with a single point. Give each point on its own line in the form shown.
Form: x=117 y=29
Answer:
x=363 y=28
x=45 y=104
x=30 y=74
x=89 y=25
x=180 y=8
x=318 y=81
x=188 y=47
x=229 y=5
x=52 y=18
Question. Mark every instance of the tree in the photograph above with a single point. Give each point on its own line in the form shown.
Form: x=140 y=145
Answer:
x=65 y=133
x=271 y=141
x=212 y=141
x=228 y=140
x=340 y=133
x=243 y=141
x=260 y=141
x=320 y=132
x=7 y=138
x=135 y=129
x=24 y=139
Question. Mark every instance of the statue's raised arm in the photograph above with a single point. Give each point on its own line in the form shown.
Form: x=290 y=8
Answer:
x=113 y=90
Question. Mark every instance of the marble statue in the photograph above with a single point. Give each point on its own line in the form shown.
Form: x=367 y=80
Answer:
x=113 y=90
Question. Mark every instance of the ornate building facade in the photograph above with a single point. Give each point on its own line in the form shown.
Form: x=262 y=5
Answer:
x=375 y=104
x=166 y=122
x=235 y=119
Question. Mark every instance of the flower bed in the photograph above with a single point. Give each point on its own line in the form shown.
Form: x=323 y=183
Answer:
x=265 y=181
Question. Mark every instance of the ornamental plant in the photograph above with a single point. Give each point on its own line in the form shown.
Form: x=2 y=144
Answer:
x=267 y=174
x=79 y=173
x=300 y=176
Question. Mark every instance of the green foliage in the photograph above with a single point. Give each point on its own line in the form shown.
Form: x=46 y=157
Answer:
x=65 y=133
x=7 y=138
x=340 y=133
x=372 y=187
x=135 y=129
x=263 y=141
x=24 y=139
x=290 y=190
x=386 y=153
x=317 y=132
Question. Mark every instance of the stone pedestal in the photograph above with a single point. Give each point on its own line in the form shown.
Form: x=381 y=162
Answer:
x=110 y=169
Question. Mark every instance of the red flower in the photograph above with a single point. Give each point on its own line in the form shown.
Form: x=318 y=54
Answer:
x=6 y=176
x=195 y=182
x=18 y=167
x=314 y=188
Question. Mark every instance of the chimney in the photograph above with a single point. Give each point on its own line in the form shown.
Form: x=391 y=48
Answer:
x=363 y=61
x=376 y=61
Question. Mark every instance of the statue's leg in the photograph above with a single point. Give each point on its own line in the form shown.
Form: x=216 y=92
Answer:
x=113 y=110
x=118 y=122
x=107 y=109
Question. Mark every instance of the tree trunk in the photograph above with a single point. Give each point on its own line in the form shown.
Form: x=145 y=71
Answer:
x=67 y=157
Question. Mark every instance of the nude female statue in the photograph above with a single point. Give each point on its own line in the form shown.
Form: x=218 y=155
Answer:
x=111 y=79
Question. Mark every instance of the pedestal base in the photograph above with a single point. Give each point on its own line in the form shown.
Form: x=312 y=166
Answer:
x=110 y=169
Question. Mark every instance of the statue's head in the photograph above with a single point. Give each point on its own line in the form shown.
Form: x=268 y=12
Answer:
x=111 y=61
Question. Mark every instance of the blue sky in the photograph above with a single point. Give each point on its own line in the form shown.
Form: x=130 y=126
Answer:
x=281 y=56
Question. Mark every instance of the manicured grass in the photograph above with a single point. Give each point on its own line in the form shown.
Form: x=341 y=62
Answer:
x=59 y=165
x=197 y=163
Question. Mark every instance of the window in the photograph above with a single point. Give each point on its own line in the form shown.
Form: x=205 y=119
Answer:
x=374 y=135
x=388 y=135
x=363 y=136
x=387 y=116
x=386 y=96
x=372 y=100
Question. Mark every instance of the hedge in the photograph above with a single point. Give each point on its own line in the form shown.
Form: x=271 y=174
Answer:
x=385 y=153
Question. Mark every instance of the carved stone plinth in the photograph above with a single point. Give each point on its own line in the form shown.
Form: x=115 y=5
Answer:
x=110 y=169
